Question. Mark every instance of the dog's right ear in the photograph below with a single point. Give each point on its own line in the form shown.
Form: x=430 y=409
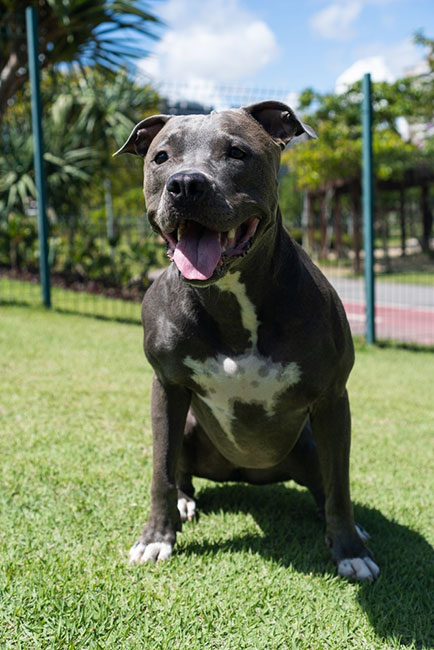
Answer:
x=143 y=134
x=279 y=120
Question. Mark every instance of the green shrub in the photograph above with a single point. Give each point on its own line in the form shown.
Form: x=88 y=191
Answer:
x=19 y=241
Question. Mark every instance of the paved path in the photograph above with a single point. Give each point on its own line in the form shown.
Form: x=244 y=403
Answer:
x=404 y=312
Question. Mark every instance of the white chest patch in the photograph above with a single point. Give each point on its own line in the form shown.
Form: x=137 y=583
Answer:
x=249 y=378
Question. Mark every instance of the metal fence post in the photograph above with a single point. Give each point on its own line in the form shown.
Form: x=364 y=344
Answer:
x=368 y=208
x=38 y=155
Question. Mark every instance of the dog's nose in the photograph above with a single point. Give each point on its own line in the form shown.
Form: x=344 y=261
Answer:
x=187 y=186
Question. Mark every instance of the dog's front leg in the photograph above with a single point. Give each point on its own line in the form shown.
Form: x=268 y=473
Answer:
x=331 y=426
x=169 y=407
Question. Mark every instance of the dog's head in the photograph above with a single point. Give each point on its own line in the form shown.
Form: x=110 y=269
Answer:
x=210 y=182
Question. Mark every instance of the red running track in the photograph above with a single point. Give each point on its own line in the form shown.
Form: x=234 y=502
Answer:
x=406 y=324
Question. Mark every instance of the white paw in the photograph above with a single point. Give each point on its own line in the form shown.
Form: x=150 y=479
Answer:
x=358 y=568
x=187 y=509
x=362 y=533
x=154 y=552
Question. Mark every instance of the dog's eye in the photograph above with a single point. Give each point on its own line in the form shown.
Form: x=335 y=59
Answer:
x=161 y=157
x=236 y=152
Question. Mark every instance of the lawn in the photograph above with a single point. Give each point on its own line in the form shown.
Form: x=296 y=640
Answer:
x=253 y=572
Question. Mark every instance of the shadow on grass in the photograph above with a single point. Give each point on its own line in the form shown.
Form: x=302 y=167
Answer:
x=398 y=605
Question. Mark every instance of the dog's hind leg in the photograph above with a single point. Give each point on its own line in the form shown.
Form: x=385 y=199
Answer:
x=304 y=468
x=331 y=425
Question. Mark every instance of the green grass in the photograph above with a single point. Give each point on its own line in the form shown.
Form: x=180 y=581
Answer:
x=425 y=278
x=253 y=572
x=25 y=292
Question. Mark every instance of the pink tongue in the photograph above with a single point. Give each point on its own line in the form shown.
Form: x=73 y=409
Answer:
x=197 y=253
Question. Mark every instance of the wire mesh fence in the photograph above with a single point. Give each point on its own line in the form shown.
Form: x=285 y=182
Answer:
x=94 y=275
x=96 y=269
x=102 y=267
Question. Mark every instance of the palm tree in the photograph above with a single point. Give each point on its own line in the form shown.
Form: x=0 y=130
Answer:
x=86 y=117
x=69 y=162
x=108 y=112
x=104 y=33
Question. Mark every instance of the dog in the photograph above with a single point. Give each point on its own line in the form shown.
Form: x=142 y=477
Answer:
x=249 y=343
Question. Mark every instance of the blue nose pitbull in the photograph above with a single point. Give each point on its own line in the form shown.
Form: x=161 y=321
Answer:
x=250 y=344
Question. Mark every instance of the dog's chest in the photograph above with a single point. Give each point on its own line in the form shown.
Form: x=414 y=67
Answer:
x=249 y=378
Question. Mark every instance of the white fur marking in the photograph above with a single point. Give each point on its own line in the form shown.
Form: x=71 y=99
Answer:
x=156 y=552
x=362 y=533
x=375 y=569
x=249 y=378
x=231 y=282
x=136 y=552
x=229 y=366
x=191 y=510
x=358 y=569
x=187 y=509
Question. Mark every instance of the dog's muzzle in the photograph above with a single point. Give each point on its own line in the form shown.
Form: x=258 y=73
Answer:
x=198 y=251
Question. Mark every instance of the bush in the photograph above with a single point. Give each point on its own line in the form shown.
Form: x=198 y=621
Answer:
x=19 y=242
x=82 y=251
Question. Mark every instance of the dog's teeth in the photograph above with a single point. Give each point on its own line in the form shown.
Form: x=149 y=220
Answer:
x=231 y=237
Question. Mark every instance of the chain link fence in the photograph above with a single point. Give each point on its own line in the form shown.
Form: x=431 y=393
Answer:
x=103 y=269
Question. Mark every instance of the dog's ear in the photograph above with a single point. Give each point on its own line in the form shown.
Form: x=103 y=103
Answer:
x=279 y=120
x=143 y=134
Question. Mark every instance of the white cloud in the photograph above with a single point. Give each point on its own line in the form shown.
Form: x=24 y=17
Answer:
x=375 y=65
x=205 y=92
x=210 y=39
x=384 y=63
x=402 y=56
x=292 y=100
x=336 y=20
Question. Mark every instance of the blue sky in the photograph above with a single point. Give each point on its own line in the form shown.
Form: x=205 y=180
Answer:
x=286 y=44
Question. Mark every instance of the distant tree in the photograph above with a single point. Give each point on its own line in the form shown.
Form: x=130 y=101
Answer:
x=68 y=162
x=336 y=155
x=428 y=43
x=107 y=114
x=104 y=33
x=86 y=118
x=333 y=163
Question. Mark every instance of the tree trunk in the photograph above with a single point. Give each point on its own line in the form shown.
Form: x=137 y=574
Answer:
x=311 y=225
x=427 y=218
x=357 y=230
x=338 y=226
x=109 y=213
x=384 y=221
x=402 y=221
x=305 y=221
x=325 y=214
x=10 y=81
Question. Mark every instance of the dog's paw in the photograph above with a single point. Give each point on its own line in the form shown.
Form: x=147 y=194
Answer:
x=187 y=508
x=362 y=533
x=153 y=552
x=358 y=568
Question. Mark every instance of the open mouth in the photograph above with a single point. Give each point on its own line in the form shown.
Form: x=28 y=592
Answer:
x=197 y=251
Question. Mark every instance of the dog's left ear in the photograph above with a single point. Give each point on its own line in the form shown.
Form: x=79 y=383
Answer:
x=142 y=135
x=279 y=120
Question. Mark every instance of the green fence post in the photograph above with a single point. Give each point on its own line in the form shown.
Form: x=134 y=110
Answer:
x=368 y=208
x=38 y=154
